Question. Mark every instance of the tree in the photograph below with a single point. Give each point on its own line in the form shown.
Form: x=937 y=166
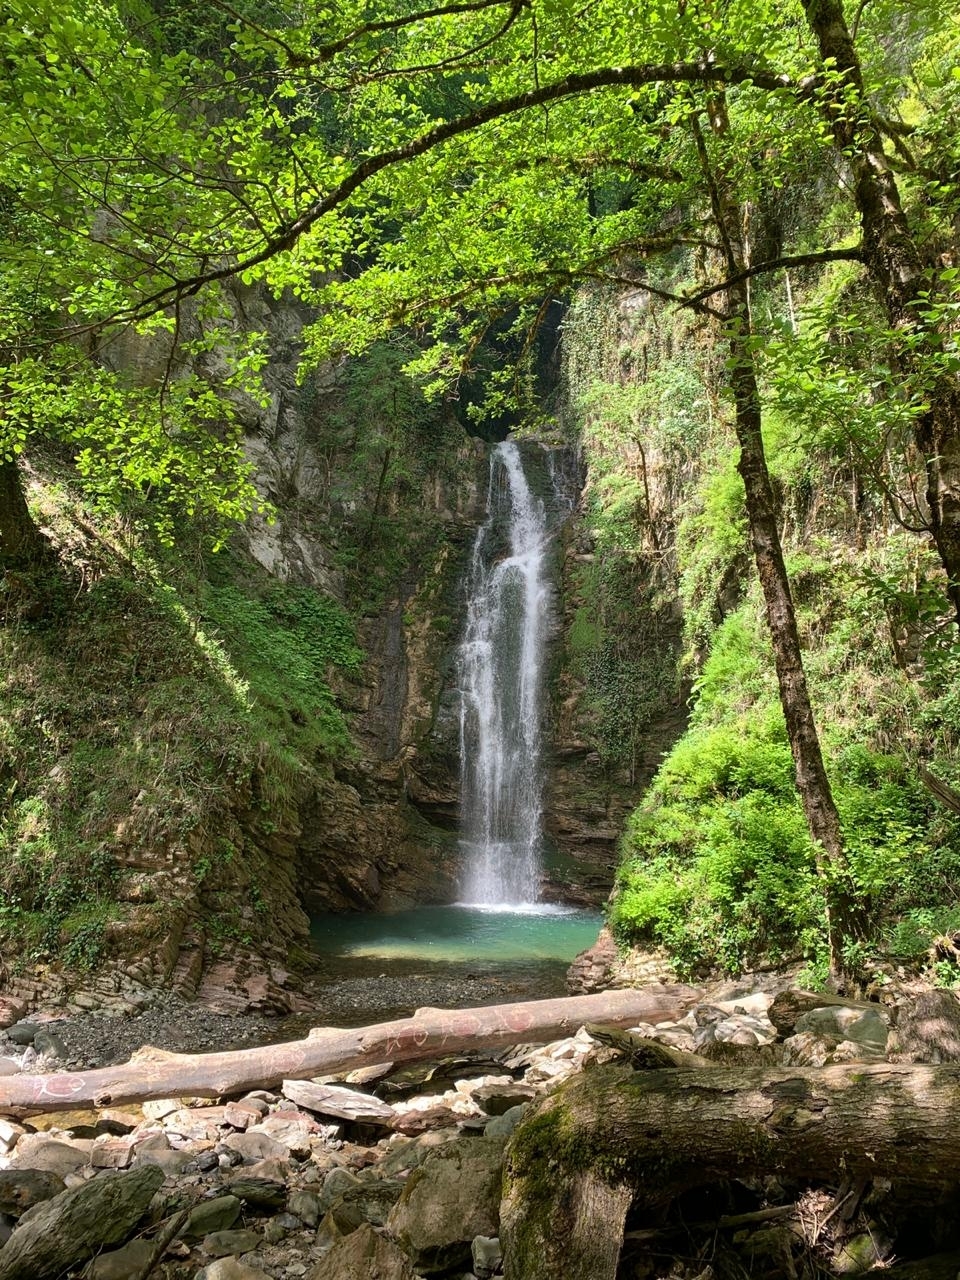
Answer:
x=449 y=169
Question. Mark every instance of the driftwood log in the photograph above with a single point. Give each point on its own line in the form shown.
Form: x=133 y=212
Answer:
x=611 y=1136
x=155 y=1073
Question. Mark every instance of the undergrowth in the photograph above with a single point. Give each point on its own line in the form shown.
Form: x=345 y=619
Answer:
x=135 y=712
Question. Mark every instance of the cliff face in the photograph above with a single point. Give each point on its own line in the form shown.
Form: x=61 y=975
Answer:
x=239 y=765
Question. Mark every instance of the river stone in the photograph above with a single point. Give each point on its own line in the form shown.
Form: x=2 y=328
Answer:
x=487 y=1256
x=335 y=1184
x=264 y=1193
x=21 y=1189
x=369 y=1201
x=231 y=1269
x=453 y=1197
x=256 y=1146
x=208 y=1216
x=305 y=1206
x=866 y=1027
x=65 y=1231
x=49 y=1045
x=503 y=1126
x=223 y=1244
x=9 y=1067
x=120 y=1264
x=22 y=1033
x=39 y=1151
x=333 y=1100
x=497 y=1099
x=361 y=1256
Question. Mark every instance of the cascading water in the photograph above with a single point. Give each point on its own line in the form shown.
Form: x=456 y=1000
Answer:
x=500 y=665
x=499 y=932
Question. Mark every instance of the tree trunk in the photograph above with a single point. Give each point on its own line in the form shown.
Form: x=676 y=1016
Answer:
x=154 y=1073
x=21 y=542
x=896 y=264
x=813 y=785
x=654 y=1134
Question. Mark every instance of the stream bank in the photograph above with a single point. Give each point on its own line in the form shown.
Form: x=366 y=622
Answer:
x=399 y=1175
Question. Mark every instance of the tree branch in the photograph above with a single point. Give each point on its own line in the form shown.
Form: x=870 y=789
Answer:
x=781 y=264
x=285 y=237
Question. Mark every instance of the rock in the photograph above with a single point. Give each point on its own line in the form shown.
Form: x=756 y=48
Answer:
x=22 y=1033
x=209 y=1216
x=487 y=1256
x=65 y=1231
x=369 y=1201
x=867 y=1027
x=333 y=1100
x=263 y=1193
x=155 y=1149
x=21 y=1189
x=112 y=1153
x=11 y=1011
x=253 y=1145
x=222 y=1244
x=497 y=1099
x=503 y=1126
x=363 y=1255
x=928 y=1029
x=120 y=1264
x=158 y=1108
x=9 y=1067
x=246 y=1112
x=40 y=1151
x=49 y=1045
x=337 y=1182
x=305 y=1206
x=593 y=969
x=453 y=1197
x=414 y=1122
x=10 y=1134
x=231 y=1269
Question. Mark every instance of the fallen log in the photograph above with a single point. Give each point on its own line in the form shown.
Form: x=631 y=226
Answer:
x=653 y=1134
x=155 y=1073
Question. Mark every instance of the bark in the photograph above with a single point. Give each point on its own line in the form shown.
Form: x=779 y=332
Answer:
x=813 y=785
x=21 y=542
x=657 y=1133
x=154 y=1073
x=895 y=262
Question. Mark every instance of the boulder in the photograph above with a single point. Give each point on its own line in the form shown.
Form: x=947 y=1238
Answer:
x=928 y=1029
x=362 y=1255
x=867 y=1027
x=214 y=1215
x=120 y=1264
x=21 y=1189
x=54 y=1155
x=334 y=1100
x=63 y=1232
x=453 y=1197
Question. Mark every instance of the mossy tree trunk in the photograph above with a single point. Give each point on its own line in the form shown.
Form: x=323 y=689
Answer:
x=647 y=1136
x=813 y=785
x=895 y=261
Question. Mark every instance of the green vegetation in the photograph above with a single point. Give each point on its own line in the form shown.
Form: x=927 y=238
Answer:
x=377 y=164
x=132 y=723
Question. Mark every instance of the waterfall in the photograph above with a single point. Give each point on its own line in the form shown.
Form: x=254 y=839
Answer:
x=500 y=670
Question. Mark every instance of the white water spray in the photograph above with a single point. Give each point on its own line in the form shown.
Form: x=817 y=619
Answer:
x=500 y=677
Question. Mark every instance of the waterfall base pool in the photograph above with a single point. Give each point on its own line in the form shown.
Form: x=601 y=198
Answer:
x=380 y=966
